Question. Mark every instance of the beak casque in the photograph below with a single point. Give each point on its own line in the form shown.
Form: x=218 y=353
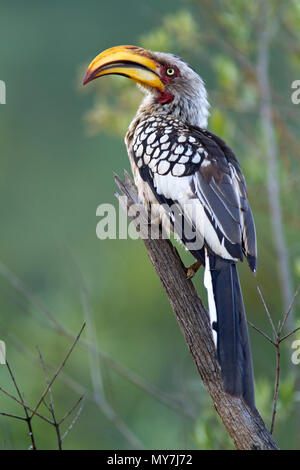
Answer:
x=132 y=62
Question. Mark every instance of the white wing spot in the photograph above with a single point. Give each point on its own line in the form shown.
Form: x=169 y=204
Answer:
x=163 y=167
x=178 y=169
x=179 y=149
x=153 y=163
x=151 y=138
x=196 y=158
x=146 y=159
x=165 y=146
x=140 y=151
x=149 y=150
x=149 y=129
x=164 y=139
x=156 y=153
x=164 y=155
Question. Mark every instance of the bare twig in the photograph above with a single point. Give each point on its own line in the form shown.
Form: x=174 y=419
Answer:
x=51 y=407
x=277 y=340
x=285 y=318
x=289 y=334
x=13 y=416
x=268 y=313
x=261 y=332
x=71 y=410
x=106 y=409
x=59 y=369
x=74 y=420
x=24 y=405
x=28 y=418
x=276 y=387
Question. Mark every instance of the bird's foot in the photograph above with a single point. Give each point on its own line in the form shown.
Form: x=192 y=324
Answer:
x=191 y=270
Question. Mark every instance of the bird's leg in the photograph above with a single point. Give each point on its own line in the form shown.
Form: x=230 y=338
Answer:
x=192 y=269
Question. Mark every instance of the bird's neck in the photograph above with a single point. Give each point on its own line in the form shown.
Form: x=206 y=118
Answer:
x=194 y=112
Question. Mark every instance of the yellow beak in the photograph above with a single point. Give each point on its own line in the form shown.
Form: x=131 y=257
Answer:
x=130 y=61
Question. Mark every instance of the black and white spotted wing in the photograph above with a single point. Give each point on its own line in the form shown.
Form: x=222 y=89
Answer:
x=195 y=169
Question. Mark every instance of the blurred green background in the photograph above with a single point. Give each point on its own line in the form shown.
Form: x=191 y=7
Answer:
x=60 y=146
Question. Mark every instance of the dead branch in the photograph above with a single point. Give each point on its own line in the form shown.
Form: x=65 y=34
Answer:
x=245 y=427
x=50 y=407
x=28 y=418
x=276 y=341
x=30 y=413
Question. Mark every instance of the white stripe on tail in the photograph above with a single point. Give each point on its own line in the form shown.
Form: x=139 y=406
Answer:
x=210 y=295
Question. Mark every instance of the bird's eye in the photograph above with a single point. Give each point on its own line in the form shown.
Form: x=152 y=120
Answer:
x=170 y=72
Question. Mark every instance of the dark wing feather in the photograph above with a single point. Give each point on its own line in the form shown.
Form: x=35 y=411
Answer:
x=227 y=183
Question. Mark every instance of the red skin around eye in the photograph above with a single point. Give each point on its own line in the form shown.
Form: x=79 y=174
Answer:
x=163 y=73
x=166 y=97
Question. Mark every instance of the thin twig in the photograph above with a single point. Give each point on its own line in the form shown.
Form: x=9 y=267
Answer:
x=28 y=418
x=74 y=420
x=71 y=410
x=289 y=334
x=276 y=343
x=288 y=311
x=76 y=386
x=276 y=387
x=13 y=416
x=59 y=369
x=261 y=332
x=55 y=423
x=267 y=312
x=26 y=406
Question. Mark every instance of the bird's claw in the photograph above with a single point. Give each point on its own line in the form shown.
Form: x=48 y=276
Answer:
x=192 y=269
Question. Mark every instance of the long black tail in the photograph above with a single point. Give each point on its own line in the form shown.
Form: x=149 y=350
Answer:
x=233 y=345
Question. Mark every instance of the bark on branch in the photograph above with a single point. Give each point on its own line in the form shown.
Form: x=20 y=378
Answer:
x=245 y=427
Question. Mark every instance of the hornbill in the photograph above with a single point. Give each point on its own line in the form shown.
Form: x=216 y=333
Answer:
x=189 y=177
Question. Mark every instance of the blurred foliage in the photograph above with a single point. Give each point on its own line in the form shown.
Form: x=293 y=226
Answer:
x=53 y=178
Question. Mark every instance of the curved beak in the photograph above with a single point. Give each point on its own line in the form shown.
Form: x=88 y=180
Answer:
x=130 y=61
